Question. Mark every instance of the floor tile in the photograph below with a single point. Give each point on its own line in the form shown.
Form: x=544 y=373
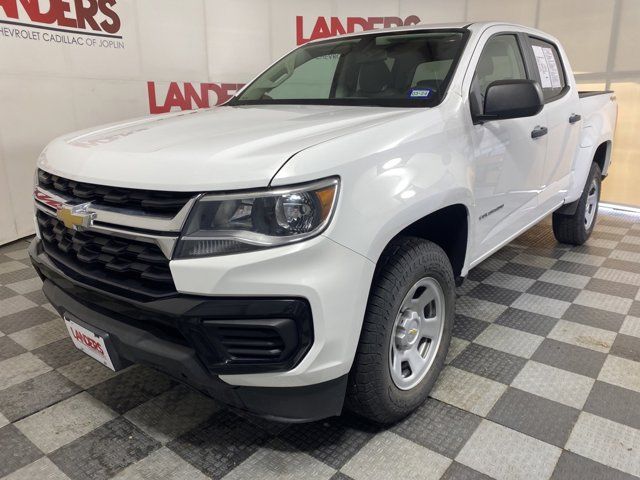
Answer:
x=221 y=444
x=521 y=270
x=554 y=384
x=554 y=291
x=11 y=266
x=619 y=276
x=612 y=288
x=509 y=340
x=131 y=388
x=391 y=456
x=43 y=334
x=9 y=348
x=575 y=467
x=41 y=469
x=16 y=451
x=161 y=464
x=535 y=416
x=468 y=328
x=332 y=441
x=569 y=357
x=53 y=427
x=616 y=264
x=621 y=372
x=592 y=260
x=59 y=353
x=457 y=471
x=20 y=368
x=456 y=347
x=3 y=421
x=583 y=336
x=505 y=454
x=439 y=427
x=610 y=303
x=35 y=394
x=626 y=346
x=18 y=275
x=276 y=461
x=631 y=326
x=494 y=294
x=527 y=321
x=479 y=309
x=534 y=261
x=104 y=452
x=26 y=286
x=26 y=319
x=606 y=442
x=594 y=317
x=467 y=391
x=565 y=279
x=625 y=256
x=512 y=282
x=172 y=413
x=575 y=268
x=541 y=305
x=615 y=403
x=13 y=305
x=490 y=363
x=87 y=372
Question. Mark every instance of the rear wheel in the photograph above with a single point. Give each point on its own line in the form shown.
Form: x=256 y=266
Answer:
x=406 y=331
x=576 y=229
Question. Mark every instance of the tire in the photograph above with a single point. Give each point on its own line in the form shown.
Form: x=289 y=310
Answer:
x=373 y=391
x=576 y=229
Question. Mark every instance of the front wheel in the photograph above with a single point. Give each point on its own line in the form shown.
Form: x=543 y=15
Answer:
x=406 y=331
x=576 y=229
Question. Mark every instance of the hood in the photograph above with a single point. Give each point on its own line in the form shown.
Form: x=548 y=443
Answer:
x=224 y=148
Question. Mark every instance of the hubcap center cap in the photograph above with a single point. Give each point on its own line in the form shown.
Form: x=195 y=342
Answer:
x=408 y=330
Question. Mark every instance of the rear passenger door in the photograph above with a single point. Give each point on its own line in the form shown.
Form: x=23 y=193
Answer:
x=507 y=161
x=563 y=112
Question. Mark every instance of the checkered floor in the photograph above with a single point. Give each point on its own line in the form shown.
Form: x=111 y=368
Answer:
x=543 y=380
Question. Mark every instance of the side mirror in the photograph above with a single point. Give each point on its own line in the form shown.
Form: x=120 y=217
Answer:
x=511 y=99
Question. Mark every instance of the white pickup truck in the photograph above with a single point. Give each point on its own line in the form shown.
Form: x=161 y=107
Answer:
x=297 y=249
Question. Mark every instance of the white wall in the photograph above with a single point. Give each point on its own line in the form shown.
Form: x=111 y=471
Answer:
x=49 y=88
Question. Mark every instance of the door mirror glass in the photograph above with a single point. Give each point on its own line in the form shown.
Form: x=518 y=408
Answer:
x=512 y=99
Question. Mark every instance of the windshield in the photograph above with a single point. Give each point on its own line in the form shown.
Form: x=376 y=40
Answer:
x=392 y=69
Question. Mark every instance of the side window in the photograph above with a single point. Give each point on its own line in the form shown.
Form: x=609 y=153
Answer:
x=550 y=68
x=501 y=59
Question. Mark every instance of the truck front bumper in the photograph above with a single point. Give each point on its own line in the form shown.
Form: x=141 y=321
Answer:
x=181 y=335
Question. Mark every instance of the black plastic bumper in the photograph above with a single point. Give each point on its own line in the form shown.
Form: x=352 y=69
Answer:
x=181 y=336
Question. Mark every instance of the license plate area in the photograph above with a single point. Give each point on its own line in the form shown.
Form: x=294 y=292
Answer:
x=92 y=341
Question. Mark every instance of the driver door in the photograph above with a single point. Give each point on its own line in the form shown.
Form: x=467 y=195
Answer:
x=507 y=159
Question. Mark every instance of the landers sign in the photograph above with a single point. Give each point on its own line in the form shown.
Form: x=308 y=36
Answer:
x=73 y=22
x=325 y=27
x=188 y=96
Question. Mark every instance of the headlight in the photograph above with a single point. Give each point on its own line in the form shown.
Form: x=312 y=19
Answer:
x=241 y=222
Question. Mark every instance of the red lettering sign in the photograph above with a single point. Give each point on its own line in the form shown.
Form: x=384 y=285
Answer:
x=188 y=96
x=332 y=27
x=89 y=342
x=82 y=14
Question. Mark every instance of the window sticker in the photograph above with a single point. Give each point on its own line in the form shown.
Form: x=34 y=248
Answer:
x=420 y=93
x=547 y=66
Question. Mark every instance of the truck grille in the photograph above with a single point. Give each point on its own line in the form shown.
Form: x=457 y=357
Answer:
x=148 y=201
x=120 y=264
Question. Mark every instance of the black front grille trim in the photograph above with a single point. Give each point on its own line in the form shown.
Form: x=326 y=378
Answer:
x=122 y=266
x=148 y=201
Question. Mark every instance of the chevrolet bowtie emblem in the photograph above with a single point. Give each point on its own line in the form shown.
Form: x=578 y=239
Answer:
x=75 y=216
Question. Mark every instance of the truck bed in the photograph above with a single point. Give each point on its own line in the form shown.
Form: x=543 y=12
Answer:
x=592 y=93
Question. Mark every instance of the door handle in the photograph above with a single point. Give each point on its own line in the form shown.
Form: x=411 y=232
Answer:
x=575 y=118
x=539 y=132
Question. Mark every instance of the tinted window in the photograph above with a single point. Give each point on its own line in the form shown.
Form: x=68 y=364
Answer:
x=405 y=69
x=549 y=65
x=501 y=59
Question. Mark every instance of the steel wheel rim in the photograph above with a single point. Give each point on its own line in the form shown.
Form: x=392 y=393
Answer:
x=592 y=205
x=417 y=333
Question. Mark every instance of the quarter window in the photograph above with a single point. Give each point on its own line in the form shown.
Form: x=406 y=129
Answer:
x=552 y=79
